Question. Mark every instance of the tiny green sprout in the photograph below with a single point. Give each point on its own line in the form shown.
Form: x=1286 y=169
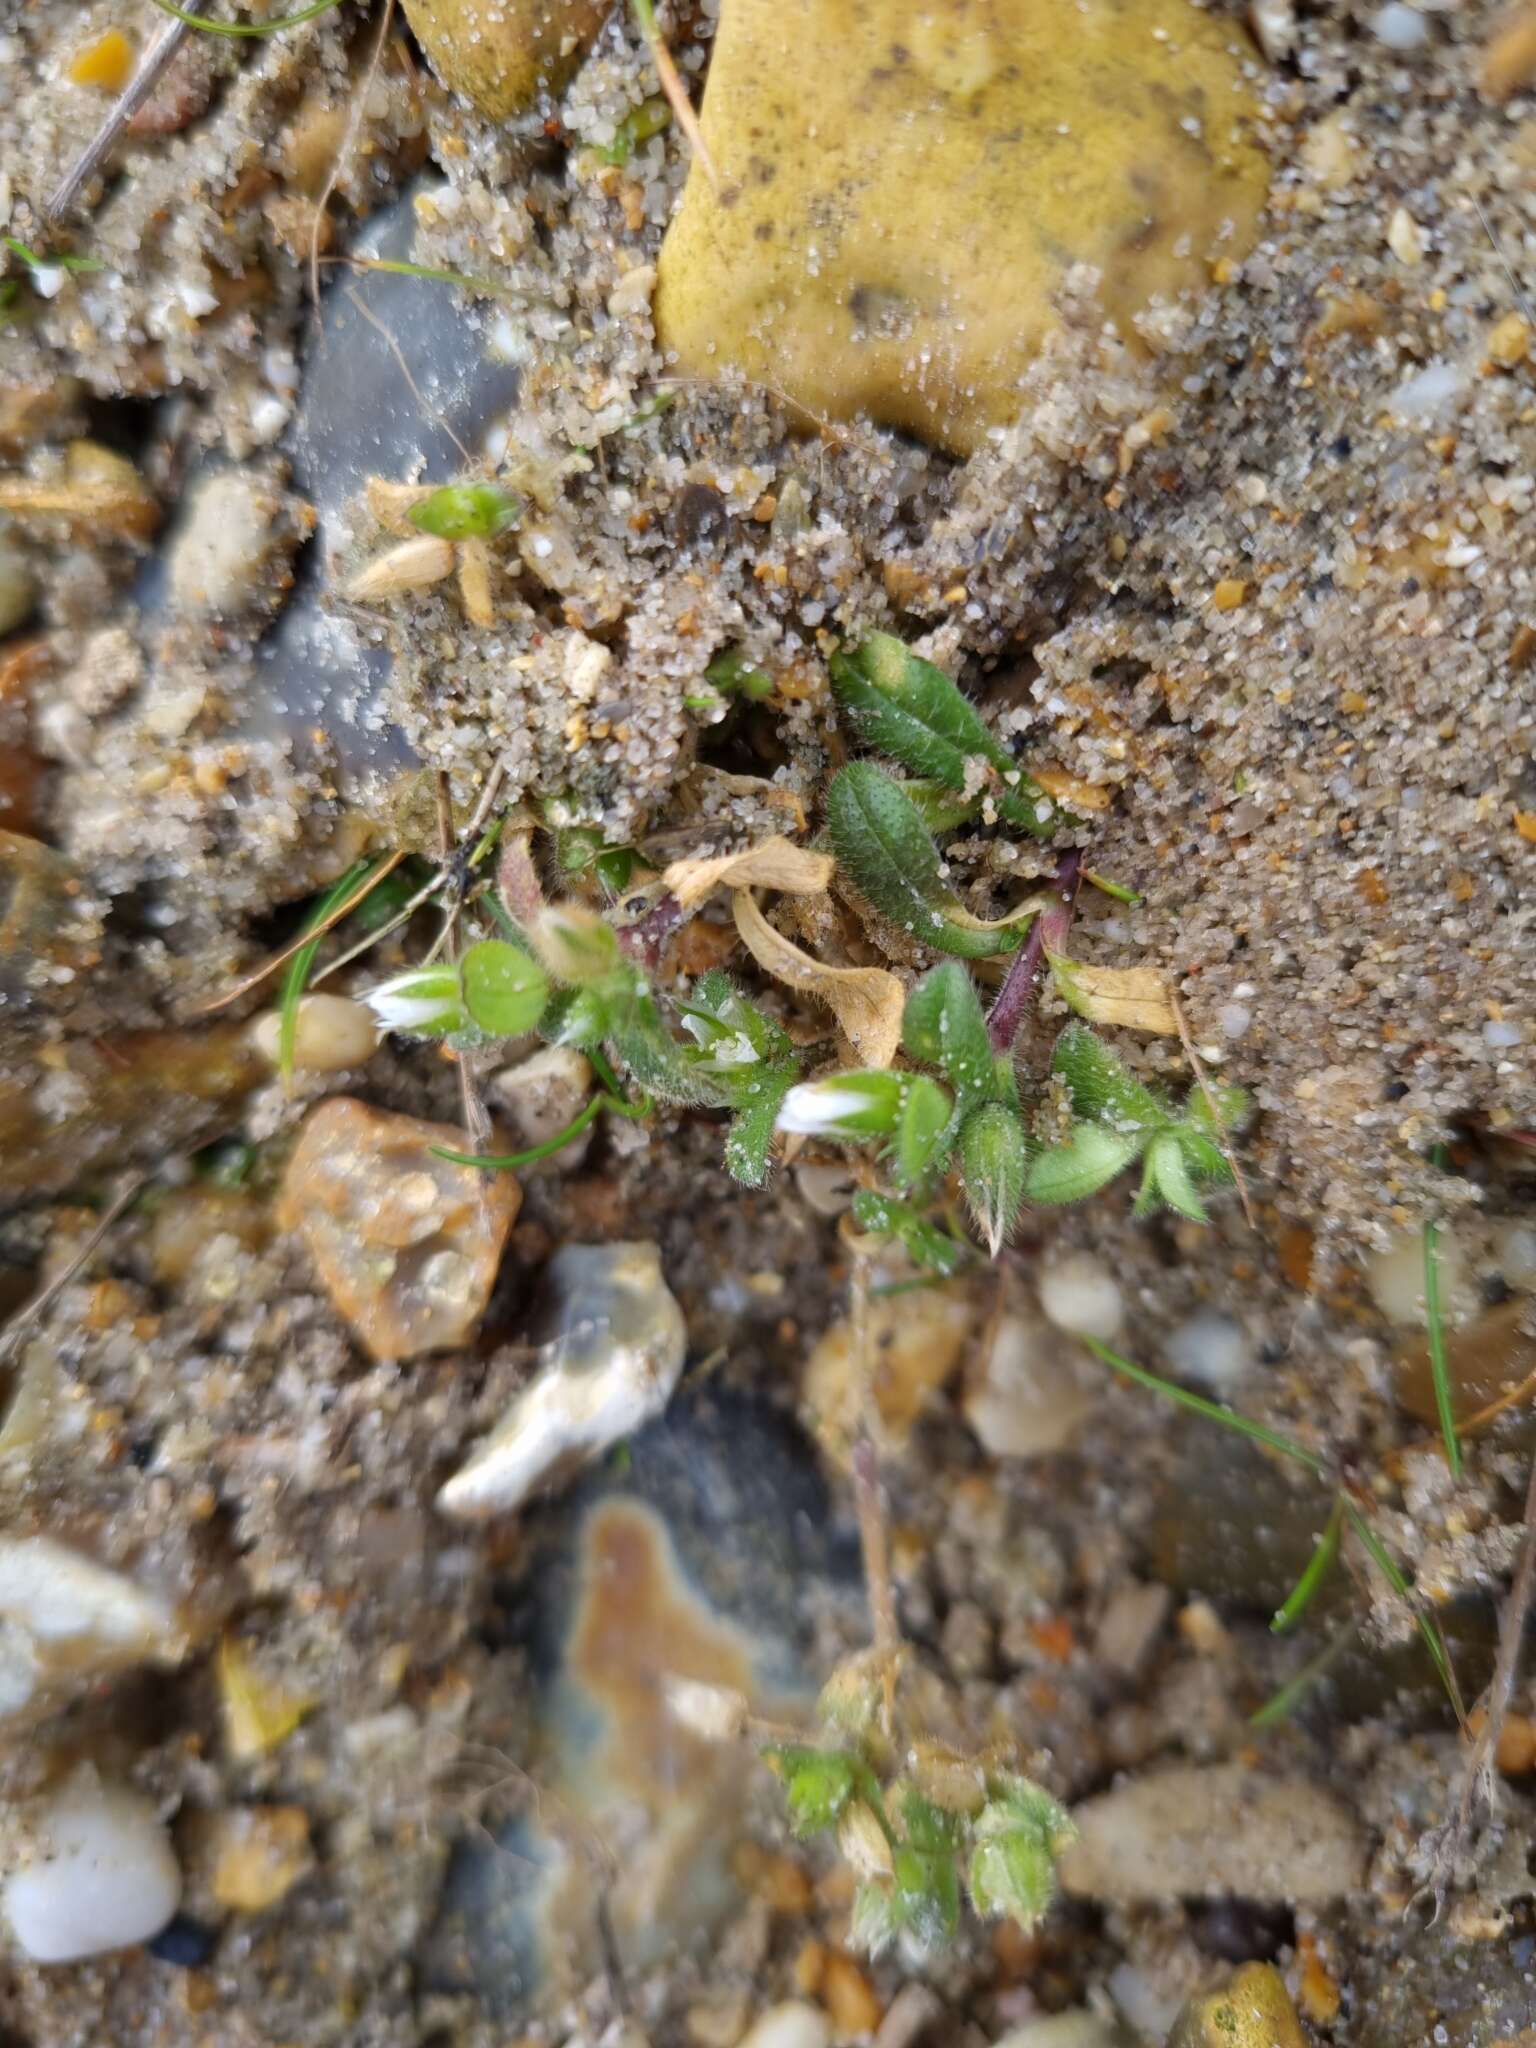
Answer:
x=76 y=266
x=734 y=676
x=818 y=1784
x=426 y=1002
x=504 y=991
x=478 y=511
x=651 y=117
x=925 y=1243
x=579 y=850
x=1019 y=1834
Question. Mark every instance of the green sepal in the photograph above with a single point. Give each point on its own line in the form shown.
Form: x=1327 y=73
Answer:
x=925 y=1244
x=943 y=1026
x=994 y=1163
x=750 y=1136
x=818 y=1784
x=467 y=511
x=927 y=1112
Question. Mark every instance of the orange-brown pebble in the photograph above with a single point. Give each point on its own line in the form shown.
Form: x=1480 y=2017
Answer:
x=106 y=65
x=849 y=1997
x=779 y=1881
x=261 y=1853
x=810 y=1967
x=406 y=1244
x=1509 y=56
x=1316 y=1993
x=1509 y=342
x=1229 y=594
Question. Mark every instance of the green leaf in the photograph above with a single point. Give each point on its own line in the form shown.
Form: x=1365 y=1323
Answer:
x=722 y=1021
x=1218 y=1109
x=926 y=1111
x=1019 y=1834
x=994 y=1160
x=818 y=1784
x=1170 y=1175
x=504 y=991
x=1202 y=1155
x=1102 y=1086
x=1072 y=1172
x=926 y=1895
x=880 y=839
x=907 y=708
x=944 y=1027
x=876 y=1919
x=925 y=1244
x=467 y=511
x=940 y=807
x=750 y=1136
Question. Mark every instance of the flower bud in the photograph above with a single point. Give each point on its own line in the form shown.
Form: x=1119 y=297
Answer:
x=429 y=1000
x=857 y=1105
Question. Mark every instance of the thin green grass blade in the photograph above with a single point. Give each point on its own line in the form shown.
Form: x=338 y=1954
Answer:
x=1439 y=1365
x=1282 y=1704
x=1428 y=1627
x=1321 y=1562
x=211 y=27
x=1211 y=1410
x=301 y=966
x=507 y=1161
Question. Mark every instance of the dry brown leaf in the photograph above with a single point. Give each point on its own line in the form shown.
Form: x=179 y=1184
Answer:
x=411 y=566
x=866 y=1001
x=517 y=877
x=1135 y=998
x=775 y=863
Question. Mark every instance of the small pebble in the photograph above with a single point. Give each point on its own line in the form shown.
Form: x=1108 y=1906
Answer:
x=612 y=1365
x=18 y=590
x=1399 y=27
x=331 y=1033
x=1079 y=1293
x=791 y=2025
x=1076 y=2029
x=1405 y=238
x=259 y=1855
x=541 y=1096
x=1395 y=1278
x=1514 y=1253
x=102 y=1875
x=1211 y=1349
x=1031 y=1397
x=185 y=1943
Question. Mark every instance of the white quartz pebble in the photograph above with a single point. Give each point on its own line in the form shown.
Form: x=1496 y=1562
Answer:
x=331 y=1033
x=1080 y=1294
x=1210 y=1348
x=791 y=2025
x=99 y=1874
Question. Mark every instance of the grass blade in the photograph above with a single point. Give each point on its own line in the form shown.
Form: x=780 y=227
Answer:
x=1282 y=1704
x=1439 y=1366
x=211 y=27
x=341 y=897
x=1428 y=1627
x=1319 y=1565
x=1211 y=1410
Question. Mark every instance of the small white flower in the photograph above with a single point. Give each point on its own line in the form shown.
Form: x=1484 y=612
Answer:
x=845 y=1106
x=421 y=999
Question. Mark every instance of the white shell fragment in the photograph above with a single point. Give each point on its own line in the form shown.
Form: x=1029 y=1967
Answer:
x=611 y=1366
x=98 y=1874
x=62 y=1614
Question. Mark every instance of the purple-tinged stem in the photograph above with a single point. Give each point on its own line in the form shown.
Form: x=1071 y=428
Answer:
x=647 y=940
x=1047 y=934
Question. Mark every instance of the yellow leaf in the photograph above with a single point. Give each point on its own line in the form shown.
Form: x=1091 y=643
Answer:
x=775 y=863
x=1134 y=997
x=866 y=1001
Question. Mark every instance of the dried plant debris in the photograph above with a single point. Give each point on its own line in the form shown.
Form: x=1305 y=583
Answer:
x=967 y=930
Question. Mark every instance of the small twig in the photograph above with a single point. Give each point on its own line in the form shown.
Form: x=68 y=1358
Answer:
x=869 y=1504
x=156 y=61
x=355 y=115
x=1013 y=998
x=29 y=1311
x=1478 y=1771
x=477 y=1122
x=270 y=965
x=672 y=85
x=1217 y=1124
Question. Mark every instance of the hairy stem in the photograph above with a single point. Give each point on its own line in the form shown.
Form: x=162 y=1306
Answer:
x=1048 y=929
